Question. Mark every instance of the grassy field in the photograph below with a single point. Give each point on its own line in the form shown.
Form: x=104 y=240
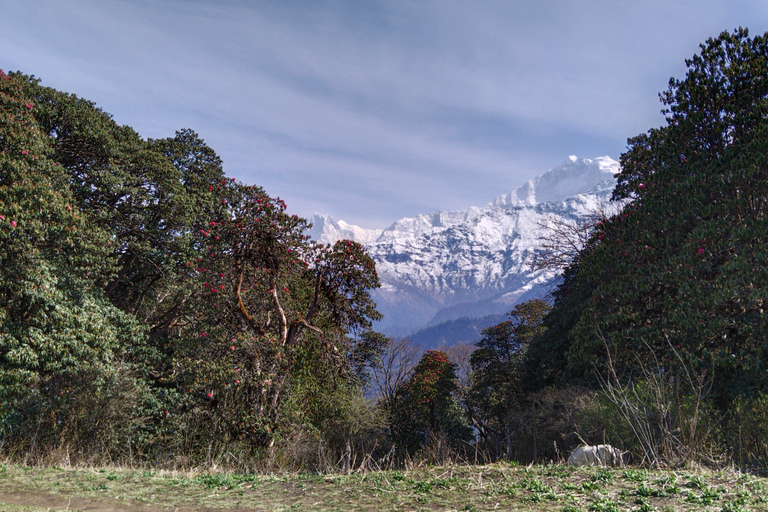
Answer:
x=452 y=488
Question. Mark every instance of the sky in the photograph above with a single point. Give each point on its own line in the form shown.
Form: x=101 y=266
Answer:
x=368 y=110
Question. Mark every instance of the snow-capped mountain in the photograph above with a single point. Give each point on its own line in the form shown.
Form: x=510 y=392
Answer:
x=441 y=266
x=572 y=177
x=327 y=230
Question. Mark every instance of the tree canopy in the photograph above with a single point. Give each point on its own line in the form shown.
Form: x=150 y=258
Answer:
x=138 y=261
x=680 y=273
x=497 y=389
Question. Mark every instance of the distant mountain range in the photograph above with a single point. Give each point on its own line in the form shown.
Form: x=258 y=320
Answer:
x=447 y=275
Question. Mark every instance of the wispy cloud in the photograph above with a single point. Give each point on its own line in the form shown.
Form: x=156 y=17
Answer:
x=374 y=110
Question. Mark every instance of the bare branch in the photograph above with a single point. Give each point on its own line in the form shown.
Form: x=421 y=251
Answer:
x=566 y=238
x=397 y=362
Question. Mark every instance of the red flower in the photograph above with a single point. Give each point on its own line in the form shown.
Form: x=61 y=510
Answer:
x=28 y=105
x=13 y=223
x=700 y=251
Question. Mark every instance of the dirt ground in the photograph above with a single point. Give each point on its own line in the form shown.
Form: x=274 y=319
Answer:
x=24 y=500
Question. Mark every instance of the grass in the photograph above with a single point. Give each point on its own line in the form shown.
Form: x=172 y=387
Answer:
x=450 y=488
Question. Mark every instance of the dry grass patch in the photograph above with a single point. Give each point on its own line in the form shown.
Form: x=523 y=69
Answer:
x=446 y=488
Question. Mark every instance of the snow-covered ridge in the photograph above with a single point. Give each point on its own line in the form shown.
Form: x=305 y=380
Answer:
x=572 y=177
x=327 y=230
x=445 y=265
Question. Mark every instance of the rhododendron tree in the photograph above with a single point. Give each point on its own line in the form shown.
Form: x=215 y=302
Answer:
x=678 y=281
x=265 y=294
x=426 y=408
x=61 y=341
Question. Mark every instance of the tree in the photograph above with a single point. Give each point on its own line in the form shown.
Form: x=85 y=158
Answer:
x=61 y=342
x=147 y=194
x=366 y=354
x=682 y=269
x=395 y=367
x=496 y=372
x=567 y=238
x=427 y=408
x=265 y=296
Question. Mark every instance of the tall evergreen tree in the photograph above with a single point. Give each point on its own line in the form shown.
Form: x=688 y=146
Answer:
x=426 y=407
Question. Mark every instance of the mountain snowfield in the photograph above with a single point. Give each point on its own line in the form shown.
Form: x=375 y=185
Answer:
x=443 y=266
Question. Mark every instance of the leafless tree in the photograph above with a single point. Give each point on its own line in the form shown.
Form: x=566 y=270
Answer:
x=460 y=354
x=397 y=362
x=566 y=238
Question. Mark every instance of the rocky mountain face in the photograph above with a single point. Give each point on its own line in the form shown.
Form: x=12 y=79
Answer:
x=462 y=266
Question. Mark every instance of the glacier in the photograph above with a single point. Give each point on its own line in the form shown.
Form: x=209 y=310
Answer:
x=448 y=265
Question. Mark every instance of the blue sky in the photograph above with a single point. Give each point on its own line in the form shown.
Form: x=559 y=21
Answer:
x=374 y=110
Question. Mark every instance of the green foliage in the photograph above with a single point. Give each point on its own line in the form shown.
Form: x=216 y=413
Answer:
x=496 y=372
x=144 y=292
x=678 y=279
x=426 y=407
x=61 y=343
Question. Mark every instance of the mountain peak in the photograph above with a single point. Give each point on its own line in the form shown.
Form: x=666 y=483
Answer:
x=446 y=265
x=327 y=230
x=576 y=175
